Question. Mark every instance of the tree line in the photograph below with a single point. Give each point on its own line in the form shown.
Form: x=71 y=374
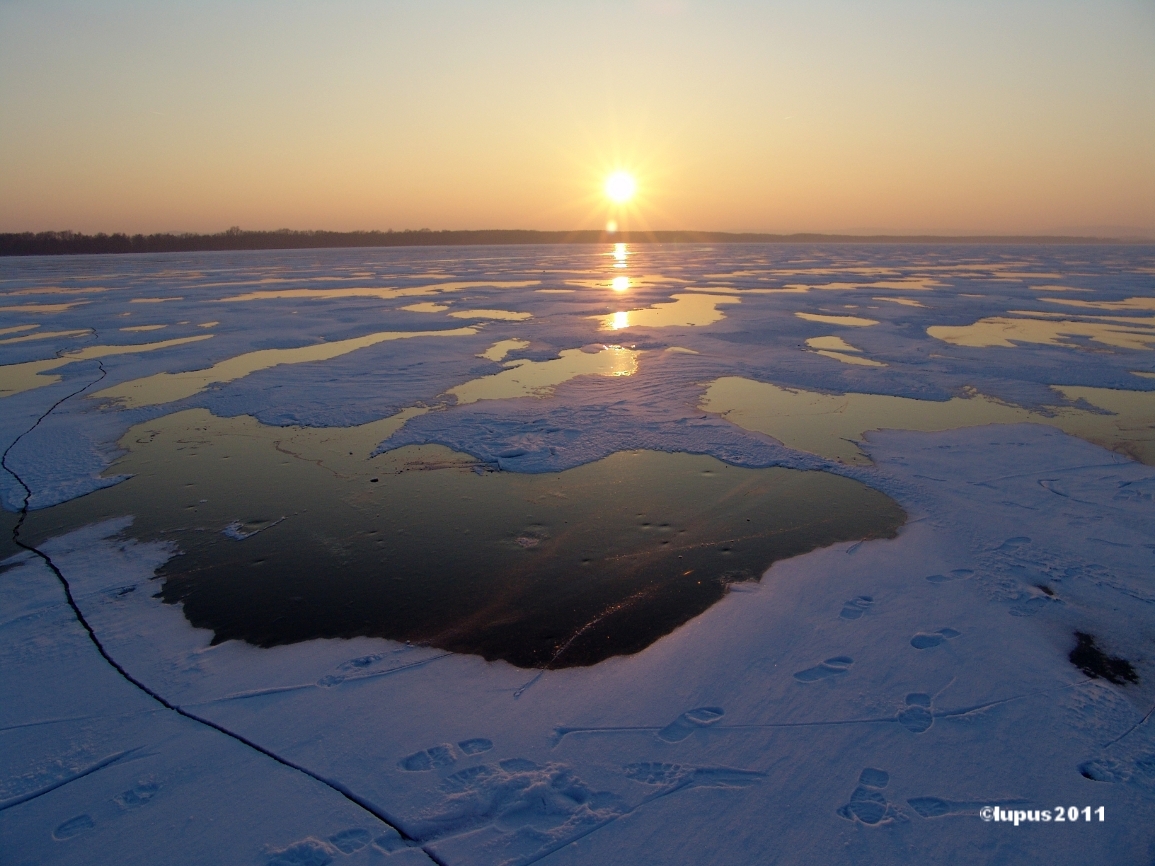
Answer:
x=76 y=243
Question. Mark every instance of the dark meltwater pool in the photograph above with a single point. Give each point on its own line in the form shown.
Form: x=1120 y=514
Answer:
x=285 y=536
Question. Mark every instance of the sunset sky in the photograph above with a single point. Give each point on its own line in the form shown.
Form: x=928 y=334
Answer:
x=832 y=115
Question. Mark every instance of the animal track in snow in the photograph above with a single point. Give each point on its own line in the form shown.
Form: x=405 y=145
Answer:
x=925 y=640
x=833 y=667
x=867 y=802
x=856 y=607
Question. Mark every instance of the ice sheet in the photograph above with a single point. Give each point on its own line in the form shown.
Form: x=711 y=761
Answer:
x=860 y=704
x=930 y=670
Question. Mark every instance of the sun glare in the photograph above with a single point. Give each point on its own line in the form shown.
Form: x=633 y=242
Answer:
x=620 y=187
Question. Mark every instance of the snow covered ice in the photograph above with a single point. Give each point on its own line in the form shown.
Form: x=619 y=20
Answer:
x=860 y=703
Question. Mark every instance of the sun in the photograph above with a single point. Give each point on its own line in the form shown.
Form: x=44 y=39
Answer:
x=621 y=186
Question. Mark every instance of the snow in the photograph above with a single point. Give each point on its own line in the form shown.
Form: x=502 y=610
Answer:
x=860 y=704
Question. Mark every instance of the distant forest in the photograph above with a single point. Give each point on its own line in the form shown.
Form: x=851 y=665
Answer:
x=74 y=243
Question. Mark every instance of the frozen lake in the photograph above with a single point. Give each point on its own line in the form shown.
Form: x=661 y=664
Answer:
x=300 y=498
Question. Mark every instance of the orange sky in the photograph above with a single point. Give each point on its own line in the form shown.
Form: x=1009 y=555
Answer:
x=825 y=116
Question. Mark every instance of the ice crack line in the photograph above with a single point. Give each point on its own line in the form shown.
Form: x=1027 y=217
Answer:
x=332 y=784
x=87 y=771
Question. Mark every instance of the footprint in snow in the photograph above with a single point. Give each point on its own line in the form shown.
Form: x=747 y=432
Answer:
x=856 y=607
x=313 y=852
x=916 y=716
x=516 y=799
x=833 y=667
x=348 y=841
x=1138 y=771
x=73 y=827
x=936 y=807
x=1032 y=605
x=443 y=755
x=957 y=574
x=475 y=746
x=867 y=803
x=676 y=776
x=690 y=721
x=924 y=640
x=137 y=796
x=390 y=841
x=307 y=852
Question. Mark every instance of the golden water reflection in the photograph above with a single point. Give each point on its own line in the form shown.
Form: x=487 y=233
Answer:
x=168 y=387
x=681 y=311
x=501 y=348
x=16 y=378
x=1138 y=304
x=848 y=321
x=381 y=293
x=840 y=350
x=830 y=424
x=42 y=308
x=1002 y=331
x=44 y=335
x=526 y=378
x=502 y=315
x=907 y=302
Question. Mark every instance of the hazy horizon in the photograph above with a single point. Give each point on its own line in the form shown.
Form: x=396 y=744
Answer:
x=892 y=118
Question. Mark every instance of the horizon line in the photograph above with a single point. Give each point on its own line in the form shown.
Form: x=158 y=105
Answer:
x=237 y=239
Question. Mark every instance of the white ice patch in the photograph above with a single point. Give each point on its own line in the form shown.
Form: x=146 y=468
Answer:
x=879 y=683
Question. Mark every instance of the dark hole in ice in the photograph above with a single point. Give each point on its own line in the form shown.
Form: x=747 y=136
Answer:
x=553 y=570
x=1095 y=663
